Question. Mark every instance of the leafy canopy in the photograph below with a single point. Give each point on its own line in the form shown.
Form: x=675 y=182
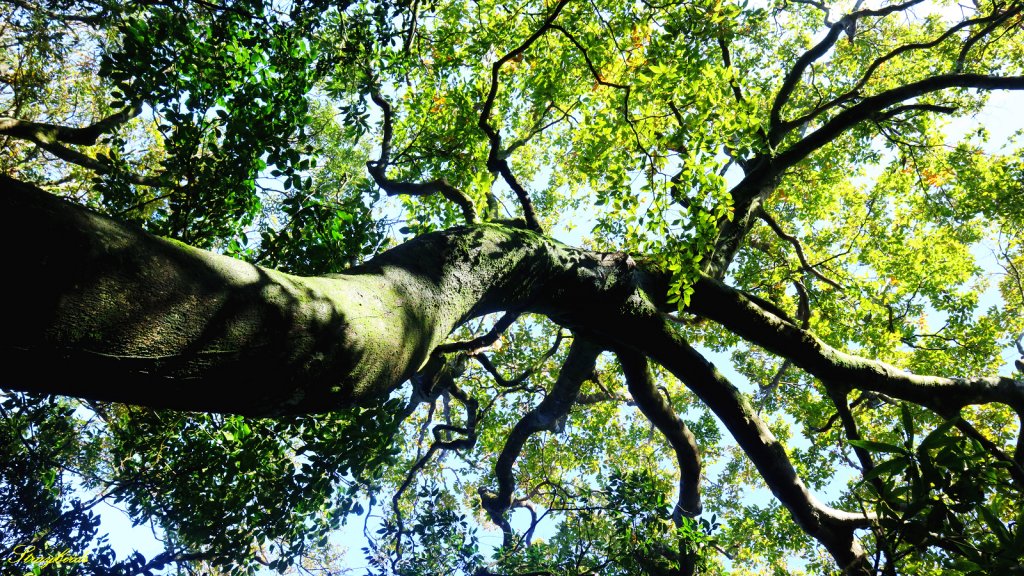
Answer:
x=799 y=151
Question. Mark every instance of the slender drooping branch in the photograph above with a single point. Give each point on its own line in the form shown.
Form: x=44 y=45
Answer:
x=480 y=343
x=438 y=445
x=578 y=367
x=653 y=404
x=797 y=246
x=518 y=380
x=600 y=80
x=840 y=398
x=1015 y=469
x=497 y=160
x=378 y=170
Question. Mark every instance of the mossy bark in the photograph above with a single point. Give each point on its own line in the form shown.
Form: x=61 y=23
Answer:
x=102 y=310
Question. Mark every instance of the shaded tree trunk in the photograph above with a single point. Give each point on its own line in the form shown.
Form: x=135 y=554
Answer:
x=103 y=310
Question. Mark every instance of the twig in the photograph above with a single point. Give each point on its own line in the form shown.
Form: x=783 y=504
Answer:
x=378 y=170
x=767 y=218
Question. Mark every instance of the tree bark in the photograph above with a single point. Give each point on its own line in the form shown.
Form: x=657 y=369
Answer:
x=101 y=310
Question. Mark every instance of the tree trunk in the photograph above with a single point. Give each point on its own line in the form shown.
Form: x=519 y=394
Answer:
x=102 y=310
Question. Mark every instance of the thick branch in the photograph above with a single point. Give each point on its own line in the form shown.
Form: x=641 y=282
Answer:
x=658 y=410
x=832 y=528
x=53 y=137
x=877 y=104
x=165 y=325
x=992 y=20
x=743 y=316
x=794 y=75
x=43 y=133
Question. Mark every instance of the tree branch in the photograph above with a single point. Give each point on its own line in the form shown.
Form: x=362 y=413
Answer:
x=578 y=367
x=832 y=528
x=43 y=133
x=659 y=411
x=438 y=444
x=378 y=170
x=479 y=344
x=743 y=316
x=789 y=83
x=993 y=20
x=770 y=221
x=497 y=158
x=872 y=105
x=760 y=181
x=507 y=383
x=53 y=137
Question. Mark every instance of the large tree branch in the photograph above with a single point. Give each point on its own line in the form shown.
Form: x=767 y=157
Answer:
x=175 y=327
x=657 y=409
x=745 y=317
x=872 y=105
x=776 y=127
x=832 y=528
x=761 y=180
x=43 y=133
x=991 y=21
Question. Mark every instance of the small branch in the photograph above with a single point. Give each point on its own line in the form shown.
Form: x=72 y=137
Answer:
x=578 y=366
x=481 y=343
x=506 y=383
x=897 y=110
x=997 y=19
x=85 y=161
x=844 y=410
x=100 y=17
x=834 y=417
x=497 y=158
x=438 y=444
x=1015 y=468
x=590 y=64
x=798 y=247
x=378 y=170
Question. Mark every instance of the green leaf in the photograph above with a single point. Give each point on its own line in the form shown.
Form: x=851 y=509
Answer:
x=873 y=446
